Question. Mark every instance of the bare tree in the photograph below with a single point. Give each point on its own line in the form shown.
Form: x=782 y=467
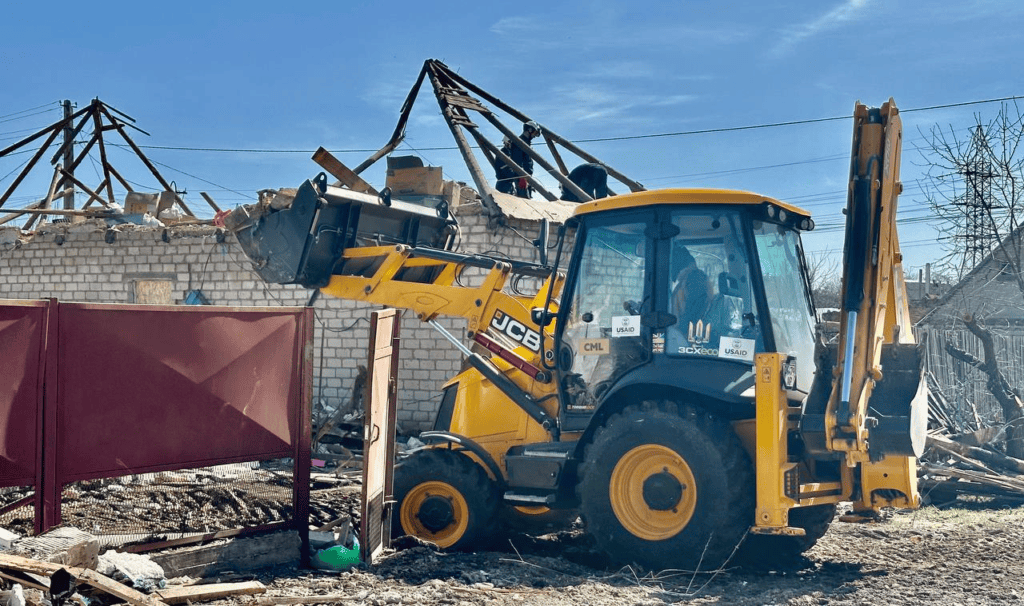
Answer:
x=824 y=274
x=974 y=185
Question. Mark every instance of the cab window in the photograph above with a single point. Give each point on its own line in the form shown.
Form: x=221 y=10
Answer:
x=709 y=289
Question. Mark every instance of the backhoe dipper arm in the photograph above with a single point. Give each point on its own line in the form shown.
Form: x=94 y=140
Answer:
x=873 y=300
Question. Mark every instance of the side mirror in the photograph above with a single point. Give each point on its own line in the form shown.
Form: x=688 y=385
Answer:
x=542 y=241
x=541 y=317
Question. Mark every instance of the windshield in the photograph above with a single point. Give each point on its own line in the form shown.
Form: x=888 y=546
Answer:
x=786 y=293
x=603 y=335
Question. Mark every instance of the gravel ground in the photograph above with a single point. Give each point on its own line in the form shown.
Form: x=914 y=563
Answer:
x=969 y=555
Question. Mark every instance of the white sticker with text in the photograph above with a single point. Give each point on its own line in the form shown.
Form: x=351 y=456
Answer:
x=625 y=326
x=736 y=349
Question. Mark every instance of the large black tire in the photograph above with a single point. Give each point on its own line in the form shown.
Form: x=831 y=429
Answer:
x=666 y=487
x=815 y=520
x=537 y=520
x=444 y=497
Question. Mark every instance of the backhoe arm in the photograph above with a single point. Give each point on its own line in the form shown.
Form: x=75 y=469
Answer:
x=875 y=411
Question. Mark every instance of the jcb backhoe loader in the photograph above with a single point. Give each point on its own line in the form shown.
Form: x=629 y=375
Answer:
x=665 y=381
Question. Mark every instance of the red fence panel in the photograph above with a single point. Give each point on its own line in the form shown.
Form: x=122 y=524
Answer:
x=23 y=346
x=134 y=389
x=144 y=388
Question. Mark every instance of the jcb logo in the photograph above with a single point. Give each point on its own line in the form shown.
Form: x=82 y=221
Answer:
x=516 y=330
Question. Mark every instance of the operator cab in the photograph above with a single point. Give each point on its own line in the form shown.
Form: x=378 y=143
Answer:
x=692 y=282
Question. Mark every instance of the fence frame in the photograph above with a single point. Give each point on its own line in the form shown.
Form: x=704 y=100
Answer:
x=292 y=324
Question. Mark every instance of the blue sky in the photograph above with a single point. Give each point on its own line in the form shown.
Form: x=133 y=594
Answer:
x=295 y=76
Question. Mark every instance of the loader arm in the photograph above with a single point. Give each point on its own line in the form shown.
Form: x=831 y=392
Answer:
x=371 y=249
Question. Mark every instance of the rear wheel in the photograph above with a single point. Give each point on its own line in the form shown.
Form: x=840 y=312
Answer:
x=666 y=487
x=444 y=497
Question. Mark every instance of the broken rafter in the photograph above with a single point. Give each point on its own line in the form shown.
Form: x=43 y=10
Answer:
x=29 y=166
x=103 y=157
x=453 y=94
x=56 y=127
x=145 y=160
x=92 y=195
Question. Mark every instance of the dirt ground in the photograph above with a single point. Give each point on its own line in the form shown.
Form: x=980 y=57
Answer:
x=969 y=555
x=931 y=556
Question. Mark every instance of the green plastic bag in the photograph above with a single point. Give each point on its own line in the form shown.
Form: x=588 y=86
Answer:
x=337 y=557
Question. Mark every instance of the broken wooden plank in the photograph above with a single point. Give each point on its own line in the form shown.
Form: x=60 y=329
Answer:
x=342 y=173
x=210 y=201
x=213 y=591
x=981 y=454
x=26 y=579
x=83 y=575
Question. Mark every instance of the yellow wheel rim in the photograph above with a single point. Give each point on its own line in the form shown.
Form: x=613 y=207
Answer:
x=626 y=492
x=411 y=523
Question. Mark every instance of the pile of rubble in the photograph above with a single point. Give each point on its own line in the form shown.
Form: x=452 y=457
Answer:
x=964 y=461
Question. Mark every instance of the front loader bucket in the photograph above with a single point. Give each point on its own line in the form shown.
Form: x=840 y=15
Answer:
x=303 y=242
x=899 y=402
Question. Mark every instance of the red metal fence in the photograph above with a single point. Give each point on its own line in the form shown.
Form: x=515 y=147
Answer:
x=100 y=391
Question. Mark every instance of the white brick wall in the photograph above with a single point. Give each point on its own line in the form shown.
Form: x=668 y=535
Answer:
x=87 y=269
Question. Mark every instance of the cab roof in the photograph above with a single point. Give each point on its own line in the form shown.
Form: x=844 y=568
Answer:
x=684 y=196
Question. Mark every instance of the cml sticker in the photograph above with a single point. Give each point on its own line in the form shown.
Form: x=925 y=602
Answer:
x=736 y=349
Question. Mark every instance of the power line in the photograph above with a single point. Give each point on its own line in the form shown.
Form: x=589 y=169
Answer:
x=600 y=139
x=26 y=116
x=25 y=111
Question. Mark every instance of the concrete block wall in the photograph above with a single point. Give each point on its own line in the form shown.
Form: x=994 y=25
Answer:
x=86 y=268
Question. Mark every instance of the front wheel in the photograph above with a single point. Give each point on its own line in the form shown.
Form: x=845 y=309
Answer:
x=815 y=521
x=666 y=487
x=444 y=497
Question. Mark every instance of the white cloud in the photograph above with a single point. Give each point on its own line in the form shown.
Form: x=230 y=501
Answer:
x=849 y=10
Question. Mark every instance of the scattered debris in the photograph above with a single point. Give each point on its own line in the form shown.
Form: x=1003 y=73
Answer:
x=84 y=575
x=213 y=591
x=7 y=539
x=66 y=545
x=132 y=569
x=962 y=459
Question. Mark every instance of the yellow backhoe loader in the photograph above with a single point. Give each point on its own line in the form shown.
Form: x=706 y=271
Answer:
x=665 y=380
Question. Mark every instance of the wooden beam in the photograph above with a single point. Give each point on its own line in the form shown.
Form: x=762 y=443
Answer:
x=152 y=169
x=342 y=173
x=213 y=591
x=71 y=139
x=118 y=176
x=102 y=212
x=56 y=127
x=36 y=209
x=92 y=195
x=209 y=201
x=103 y=157
x=45 y=203
x=84 y=575
x=29 y=166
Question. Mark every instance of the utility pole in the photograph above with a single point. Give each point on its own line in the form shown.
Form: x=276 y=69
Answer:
x=69 y=156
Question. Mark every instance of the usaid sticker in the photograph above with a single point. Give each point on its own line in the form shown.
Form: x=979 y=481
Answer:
x=625 y=326
x=736 y=349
